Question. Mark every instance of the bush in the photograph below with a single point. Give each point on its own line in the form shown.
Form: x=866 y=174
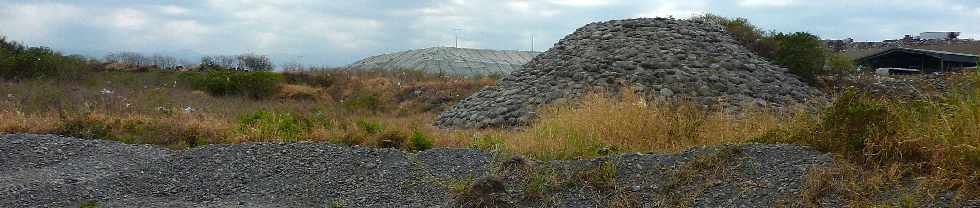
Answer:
x=87 y=127
x=258 y=85
x=265 y=125
x=803 y=53
x=851 y=122
x=848 y=127
x=933 y=135
x=21 y=62
x=420 y=141
x=840 y=64
x=747 y=34
x=364 y=102
x=320 y=79
x=487 y=142
x=370 y=127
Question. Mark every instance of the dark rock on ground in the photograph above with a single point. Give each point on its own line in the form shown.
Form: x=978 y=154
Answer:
x=55 y=171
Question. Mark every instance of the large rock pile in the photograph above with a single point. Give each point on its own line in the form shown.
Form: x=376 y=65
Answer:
x=447 y=60
x=660 y=58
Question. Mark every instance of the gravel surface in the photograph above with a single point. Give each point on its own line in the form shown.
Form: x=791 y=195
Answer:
x=55 y=171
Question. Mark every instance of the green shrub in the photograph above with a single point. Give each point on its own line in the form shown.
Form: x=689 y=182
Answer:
x=19 y=62
x=337 y=204
x=271 y=125
x=602 y=177
x=853 y=121
x=317 y=120
x=320 y=79
x=87 y=128
x=165 y=133
x=841 y=64
x=541 y=182
x=803 y=53
x=420 y=141
x=487 y=142
x=256 y=85
x=364 y=102
x=88 y=204
x=747 y=34
x=370 y=127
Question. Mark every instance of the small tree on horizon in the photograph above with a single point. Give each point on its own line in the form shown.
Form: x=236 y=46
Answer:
x=803 y=53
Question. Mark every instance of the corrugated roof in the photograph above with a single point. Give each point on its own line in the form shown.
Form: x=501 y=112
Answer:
x=944 y=55
x=939 y=52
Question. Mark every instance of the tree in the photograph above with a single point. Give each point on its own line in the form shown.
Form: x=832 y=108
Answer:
x=747 y=34
x=243 y=62
x=18 y=61
x=803 y=53
x=292 y=66
x=253 y=62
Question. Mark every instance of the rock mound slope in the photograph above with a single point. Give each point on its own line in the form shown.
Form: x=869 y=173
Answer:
x=447 y=60
x=660 y=58
x=54 y=171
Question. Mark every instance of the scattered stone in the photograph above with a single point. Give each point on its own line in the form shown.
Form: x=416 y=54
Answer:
x=55 y=171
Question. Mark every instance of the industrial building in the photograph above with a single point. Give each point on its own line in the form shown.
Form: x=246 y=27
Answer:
x=909 y=60
x=939 y=35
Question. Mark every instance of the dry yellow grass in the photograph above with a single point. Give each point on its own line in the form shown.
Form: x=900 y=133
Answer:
x=19 y=122
x=933 y=144
x=598 y=124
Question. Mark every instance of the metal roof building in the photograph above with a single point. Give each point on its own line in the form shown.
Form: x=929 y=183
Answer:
x=926 y=61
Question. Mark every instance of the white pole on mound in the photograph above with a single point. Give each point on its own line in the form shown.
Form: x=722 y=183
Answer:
x=457 y=36
x=532 y=43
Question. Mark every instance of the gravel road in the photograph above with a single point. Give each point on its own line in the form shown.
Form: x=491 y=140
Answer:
x=55 y=171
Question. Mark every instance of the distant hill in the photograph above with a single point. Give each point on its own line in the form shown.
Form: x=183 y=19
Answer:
x=455 y=61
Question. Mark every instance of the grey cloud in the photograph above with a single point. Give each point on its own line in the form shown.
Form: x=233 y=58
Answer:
x=339 y=32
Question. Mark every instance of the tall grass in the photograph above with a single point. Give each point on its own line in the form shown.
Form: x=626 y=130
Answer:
x=166 y=108
x=883 y=143
x=599 y=124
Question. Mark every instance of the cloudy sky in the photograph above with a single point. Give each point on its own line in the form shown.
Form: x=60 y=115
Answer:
x=338 y=32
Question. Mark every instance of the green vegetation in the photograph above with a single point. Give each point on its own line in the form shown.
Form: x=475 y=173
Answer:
x=542 y=182
x=747 y=34
x=459 y=186
x=698 y=173
x=887 y=143
x=256 y=85
x=420 y=141
x=841 y=64
x=923 y=146
x=803 y=53
x=88 y=204
x=364 y=102
x=602 y=177
x=317 y=79
x=337 y=204
x=266 y=125
x=18 y=62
